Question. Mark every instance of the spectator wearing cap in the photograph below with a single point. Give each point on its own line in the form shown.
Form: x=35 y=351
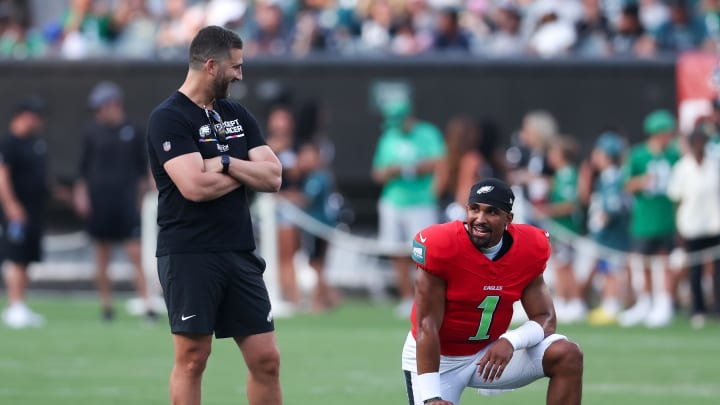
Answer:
x=652 y=227
x=112 y=176
x=608 y=220
x=695 y=188
x=405 y=160
x=23 y=193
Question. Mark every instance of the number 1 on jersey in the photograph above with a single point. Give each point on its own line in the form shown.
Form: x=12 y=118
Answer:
x=487 y=306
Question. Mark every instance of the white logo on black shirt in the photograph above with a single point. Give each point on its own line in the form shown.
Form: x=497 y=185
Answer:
x=204 y=131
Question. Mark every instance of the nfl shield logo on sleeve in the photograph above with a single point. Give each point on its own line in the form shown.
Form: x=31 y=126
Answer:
x=167 y=146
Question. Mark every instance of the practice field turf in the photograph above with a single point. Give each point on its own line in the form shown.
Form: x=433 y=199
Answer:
x=350 y=356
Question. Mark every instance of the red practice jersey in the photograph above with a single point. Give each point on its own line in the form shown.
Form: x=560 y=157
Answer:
x=480 y=292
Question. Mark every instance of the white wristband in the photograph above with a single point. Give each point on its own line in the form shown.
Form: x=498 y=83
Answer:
x=526 y=335
x=429 y=385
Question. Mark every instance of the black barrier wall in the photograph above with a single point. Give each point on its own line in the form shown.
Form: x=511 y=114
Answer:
x=585 y=96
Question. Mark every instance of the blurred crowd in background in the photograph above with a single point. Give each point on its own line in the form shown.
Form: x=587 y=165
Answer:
x=162 y=29
x=635 y=228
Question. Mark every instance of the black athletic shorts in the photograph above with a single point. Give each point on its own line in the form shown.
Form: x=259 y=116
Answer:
x=114 y=218
x=220 y=292
x=653 y=246
x=316 y=247
x=22 y=245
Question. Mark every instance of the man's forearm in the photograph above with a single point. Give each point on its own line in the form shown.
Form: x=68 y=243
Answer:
x=259 y=176
x=210 y=186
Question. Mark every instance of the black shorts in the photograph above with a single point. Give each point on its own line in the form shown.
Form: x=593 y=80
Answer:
x=114 y=219
x=22 y=246
x=316 y=247
x=220 y=292
x=653 y=246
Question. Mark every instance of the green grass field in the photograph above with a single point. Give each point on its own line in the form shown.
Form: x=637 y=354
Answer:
x=350 y=356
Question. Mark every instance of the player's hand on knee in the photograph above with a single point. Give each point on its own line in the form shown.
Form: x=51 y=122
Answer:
x=493 y=363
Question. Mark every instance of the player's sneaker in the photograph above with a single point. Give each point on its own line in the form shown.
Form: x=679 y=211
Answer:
x=572 y=312
x=404 y=308
x=601 y=316
x=107 y=314
x=19 y=316
x=661 y=314
x=637 y=313
x=697 y=321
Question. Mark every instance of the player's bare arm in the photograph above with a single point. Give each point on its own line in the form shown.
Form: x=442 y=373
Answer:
x=385 y=174
x=429 y=310
x=538 y=305
x=261 y=173
x=427 y=166
x=194 y=181
x=637 y=183
x=14 y=211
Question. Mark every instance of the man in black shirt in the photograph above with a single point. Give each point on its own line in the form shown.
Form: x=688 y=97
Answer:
x=23 y=190
x=204 y=151
x=113 y=172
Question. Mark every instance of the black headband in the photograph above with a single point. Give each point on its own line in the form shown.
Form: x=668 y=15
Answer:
x=492 y=192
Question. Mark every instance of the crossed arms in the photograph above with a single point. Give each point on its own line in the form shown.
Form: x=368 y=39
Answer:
x=202 y=180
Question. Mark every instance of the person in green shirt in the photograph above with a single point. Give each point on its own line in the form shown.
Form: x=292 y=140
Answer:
x=563 y=213
x=652 y=227
x=607 y=223
x=405 y=159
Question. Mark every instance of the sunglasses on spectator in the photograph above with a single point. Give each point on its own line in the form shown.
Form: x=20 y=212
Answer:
x=218 y=131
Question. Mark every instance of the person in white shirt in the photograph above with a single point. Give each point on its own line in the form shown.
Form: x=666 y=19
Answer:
x=695 y=187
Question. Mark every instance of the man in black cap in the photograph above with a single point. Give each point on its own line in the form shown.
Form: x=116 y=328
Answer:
x=23 y=191
x=113 y=174
x=470 y=274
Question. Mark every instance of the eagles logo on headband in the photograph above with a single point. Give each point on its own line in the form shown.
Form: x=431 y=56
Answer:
x=493 y=192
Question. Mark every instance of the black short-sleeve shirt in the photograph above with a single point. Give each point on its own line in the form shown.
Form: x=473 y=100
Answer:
x=26 y=159
x=113 y=158
x=176 y=127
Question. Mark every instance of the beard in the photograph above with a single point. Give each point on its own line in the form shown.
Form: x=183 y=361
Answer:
x=480 y=236
x=221 y=87
x=480 y=243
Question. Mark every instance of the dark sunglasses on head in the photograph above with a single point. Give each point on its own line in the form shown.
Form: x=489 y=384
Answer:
x=218 y=131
